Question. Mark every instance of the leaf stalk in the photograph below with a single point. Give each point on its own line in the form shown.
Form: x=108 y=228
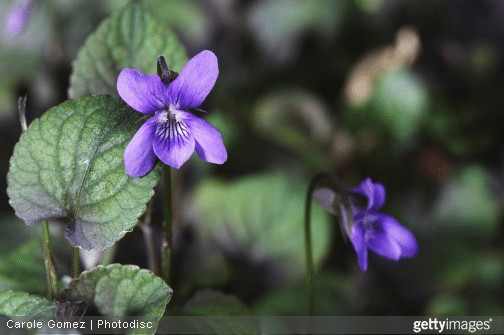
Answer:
x=50 y=263
x=75 y=263
x=167 y=225
x=343 y=212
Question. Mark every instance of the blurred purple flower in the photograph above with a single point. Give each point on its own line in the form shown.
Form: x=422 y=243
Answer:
x=171 y=134
x=371 y=229
x=379 y=232
x=17 y=17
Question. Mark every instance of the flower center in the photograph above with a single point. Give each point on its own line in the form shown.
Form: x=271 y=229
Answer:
x=172 y=113
x=171 y=126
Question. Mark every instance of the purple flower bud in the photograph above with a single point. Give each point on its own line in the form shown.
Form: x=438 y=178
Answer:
x=17 y=17
x=378 y=232
x=371 y=229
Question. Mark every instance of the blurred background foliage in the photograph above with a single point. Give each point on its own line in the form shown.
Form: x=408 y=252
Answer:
x=408 y=93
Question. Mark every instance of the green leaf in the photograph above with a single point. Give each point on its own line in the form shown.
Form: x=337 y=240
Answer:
x=14 y=233
x=17 y=65
x=37 y=311
x=120 y=290
x=189 y=18
x=466 y=202
x=260 y=219
x=24 y=267
x=22 y=304
x=278 y=25
x=399 y=107
x=22 y=307
x=212 y=312
x=334 y=295
x=208 y=303
x=70 y=164
x=130 y=38
x=401 y=104
x=299 y=121
x=449 y=304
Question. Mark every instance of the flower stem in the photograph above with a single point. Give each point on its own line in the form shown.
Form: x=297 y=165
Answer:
x=310 y=269
x=145 y=226
x=167 y=225
x=164 y=72
x=50 y=263
x=74 y=263
x=344 y=213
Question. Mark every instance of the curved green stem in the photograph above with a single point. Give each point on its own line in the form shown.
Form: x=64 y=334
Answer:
x=334 y=183
x=50 y=263
x=47 y=247
x=167 y=225
x=310 y=268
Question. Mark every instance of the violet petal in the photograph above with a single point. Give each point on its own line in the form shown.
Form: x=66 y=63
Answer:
x=173 y=146
x=144 y=93
x=378 y=196
x=208 y=141
x=402 y=235
x=357 y=239
x=194 y=82
x=17 y=17
x=139 y=157
x=390 y=239
x=366 y=188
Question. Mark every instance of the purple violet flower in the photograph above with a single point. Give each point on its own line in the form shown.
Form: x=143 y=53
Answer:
x=172 y=133
x=17 y=17
x=379 y=232
x=371 y=229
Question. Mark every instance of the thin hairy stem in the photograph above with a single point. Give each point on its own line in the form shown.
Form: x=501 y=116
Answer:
x=50 y=263
x=75 y=263
x=167 y=225
x=344 y=213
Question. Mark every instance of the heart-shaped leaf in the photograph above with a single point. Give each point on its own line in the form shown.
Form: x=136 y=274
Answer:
x=131 y=38
x=23 y=304
x=70 y=164
x=120 y=290
x=30 y=314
